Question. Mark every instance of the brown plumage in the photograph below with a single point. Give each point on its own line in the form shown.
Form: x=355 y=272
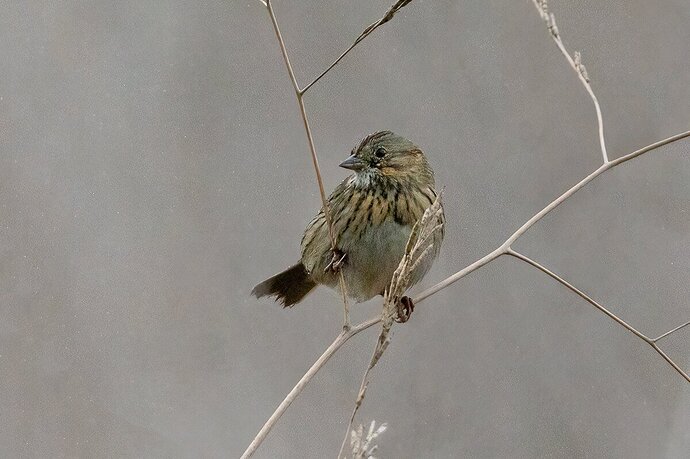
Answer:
x=373 y=212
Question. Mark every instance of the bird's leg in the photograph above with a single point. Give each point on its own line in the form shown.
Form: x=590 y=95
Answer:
x=405 y=308
x=337 y=260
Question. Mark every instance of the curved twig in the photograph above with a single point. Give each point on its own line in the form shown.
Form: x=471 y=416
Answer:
x=299 y=94
x=341 y=339
x=375 y=25
x=627 y=326
x=577 y=65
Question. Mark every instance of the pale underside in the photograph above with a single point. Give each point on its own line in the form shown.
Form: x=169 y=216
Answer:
x=370 y=260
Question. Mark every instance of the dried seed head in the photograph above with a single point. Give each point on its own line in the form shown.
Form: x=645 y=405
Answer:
x=361 y=443
x=577 y=58
x=551 y=24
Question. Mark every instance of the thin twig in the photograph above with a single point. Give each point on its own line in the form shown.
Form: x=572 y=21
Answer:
x=587 y=298
x=385 y=18
x=358 y=402
x=324 y=200
x=627 y=326
x=301 y=384
x=670 y=361
x=283 y=50
x=671 y=331
x=577 y=65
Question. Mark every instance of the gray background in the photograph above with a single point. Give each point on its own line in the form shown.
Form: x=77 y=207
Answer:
x=153 y=168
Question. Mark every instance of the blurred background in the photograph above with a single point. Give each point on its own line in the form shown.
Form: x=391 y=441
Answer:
x=153 y=168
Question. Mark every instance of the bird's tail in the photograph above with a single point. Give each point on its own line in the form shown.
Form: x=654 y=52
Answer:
x=288 y=287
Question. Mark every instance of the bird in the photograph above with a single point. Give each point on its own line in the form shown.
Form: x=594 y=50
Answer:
x=372 y=212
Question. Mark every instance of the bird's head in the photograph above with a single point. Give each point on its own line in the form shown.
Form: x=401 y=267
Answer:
x=388 y=157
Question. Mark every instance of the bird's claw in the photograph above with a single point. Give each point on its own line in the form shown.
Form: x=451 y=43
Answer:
x=336 y=262
x=405 y=308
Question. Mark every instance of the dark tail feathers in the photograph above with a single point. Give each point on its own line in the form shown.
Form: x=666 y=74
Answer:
x=289 y=287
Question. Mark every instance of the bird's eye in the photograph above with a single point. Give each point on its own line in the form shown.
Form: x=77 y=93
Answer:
x=380 y=152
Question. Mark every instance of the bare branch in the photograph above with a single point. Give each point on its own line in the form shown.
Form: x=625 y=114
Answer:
x=576 y=64
x=613 y=316
x=579 y=292
x=320 y=362
x=381 y=345
x=283 y=50
x=538 y=216
x=679 y=327
x=386 y=17
x=670 y=361
x=314 y=158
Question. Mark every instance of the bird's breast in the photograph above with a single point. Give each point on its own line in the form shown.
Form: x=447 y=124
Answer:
x=371 y=226
x=373 y=256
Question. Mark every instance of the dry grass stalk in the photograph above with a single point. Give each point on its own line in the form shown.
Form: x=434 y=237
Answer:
x=577 y=65
x=361 y=444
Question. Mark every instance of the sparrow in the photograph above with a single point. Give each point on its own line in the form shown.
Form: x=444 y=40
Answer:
x=372 y=213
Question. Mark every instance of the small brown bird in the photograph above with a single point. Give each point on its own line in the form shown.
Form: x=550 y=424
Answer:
x=373 y=212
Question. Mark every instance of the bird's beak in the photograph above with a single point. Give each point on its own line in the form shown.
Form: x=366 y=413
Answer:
x=353 y=163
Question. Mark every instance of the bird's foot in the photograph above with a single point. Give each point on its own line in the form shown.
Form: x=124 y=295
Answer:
x=337 y=261
x=405 y=308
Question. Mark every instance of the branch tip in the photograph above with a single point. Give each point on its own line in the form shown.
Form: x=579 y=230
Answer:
x=397 y=6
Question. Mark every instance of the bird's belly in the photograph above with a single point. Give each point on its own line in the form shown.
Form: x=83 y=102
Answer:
x=372 y=257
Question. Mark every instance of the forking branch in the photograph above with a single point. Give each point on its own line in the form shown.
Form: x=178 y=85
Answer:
x=299 y=94
x=503 y=249
x=621 y=322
